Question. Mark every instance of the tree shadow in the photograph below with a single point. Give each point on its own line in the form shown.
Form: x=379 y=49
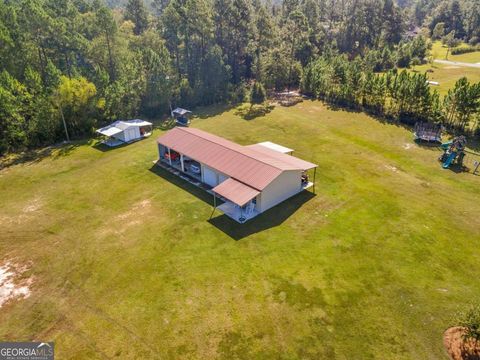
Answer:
x=166 y=124
x=206 y=112
x=251 y=112
x=474 y=144
x=34 y=156
x=269 y=219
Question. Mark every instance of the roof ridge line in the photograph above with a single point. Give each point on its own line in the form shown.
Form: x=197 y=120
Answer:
x=251 y=157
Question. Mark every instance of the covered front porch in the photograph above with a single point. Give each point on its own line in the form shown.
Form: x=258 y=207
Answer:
x=239 y=200
x=238 y=213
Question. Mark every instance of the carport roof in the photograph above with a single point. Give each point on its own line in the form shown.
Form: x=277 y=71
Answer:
x=235 y=191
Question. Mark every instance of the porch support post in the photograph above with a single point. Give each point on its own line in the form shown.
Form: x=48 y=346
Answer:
x=169 y=157
x=314 y=173
x=214 y=204
x=181 y=162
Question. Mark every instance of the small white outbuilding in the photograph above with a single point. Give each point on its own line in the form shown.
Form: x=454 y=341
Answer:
x=121 y=131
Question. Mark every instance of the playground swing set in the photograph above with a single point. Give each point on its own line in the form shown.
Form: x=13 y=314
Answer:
x=454 y=152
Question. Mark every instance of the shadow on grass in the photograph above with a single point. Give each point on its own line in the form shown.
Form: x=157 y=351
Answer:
x=406 y=123
x=183 y=184
x=165 y=124
x=271 y=218
x=34 y=156
x=252 y=112
x=429 y=145
x=474 y=144
x=456 y=168
x=105 y=148
x=213 y=110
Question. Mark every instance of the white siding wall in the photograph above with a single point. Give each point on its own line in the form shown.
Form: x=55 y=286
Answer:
x=209 y=176
x=284 y=186
x=137 y=132
x=132 y=133
x=212 y=177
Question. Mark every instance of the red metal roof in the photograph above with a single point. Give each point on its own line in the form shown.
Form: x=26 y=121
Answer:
x=235 y=191
x=248 y=165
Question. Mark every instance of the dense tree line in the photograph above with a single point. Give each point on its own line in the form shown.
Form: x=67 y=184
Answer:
x=443 y=17
x=395 y=94
x=78 y=63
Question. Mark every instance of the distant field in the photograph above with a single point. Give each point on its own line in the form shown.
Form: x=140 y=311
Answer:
x=439 y=51
x=122 y=260
x=445 y=74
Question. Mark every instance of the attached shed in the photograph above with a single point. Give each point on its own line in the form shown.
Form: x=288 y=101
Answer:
x=272 y=146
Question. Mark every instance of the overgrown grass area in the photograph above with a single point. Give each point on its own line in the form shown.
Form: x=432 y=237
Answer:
x=126 y=262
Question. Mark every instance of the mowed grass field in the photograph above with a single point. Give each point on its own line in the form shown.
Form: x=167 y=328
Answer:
x=439 y=52
x=126 y=263
x=445 y=74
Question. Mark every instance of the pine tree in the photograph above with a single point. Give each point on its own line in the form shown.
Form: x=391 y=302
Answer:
x=135 y=11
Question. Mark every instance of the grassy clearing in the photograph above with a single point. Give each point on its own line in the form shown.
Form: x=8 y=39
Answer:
x=126 y=263
x=439 y=52
x=447 y=75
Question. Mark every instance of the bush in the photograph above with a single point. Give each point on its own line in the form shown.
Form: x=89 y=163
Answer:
x=470 y=320
x=464 y=50
x=474 y=40
x=258 y=94
x=238 y=94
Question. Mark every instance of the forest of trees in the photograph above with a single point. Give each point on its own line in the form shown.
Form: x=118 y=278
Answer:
x=88 y=62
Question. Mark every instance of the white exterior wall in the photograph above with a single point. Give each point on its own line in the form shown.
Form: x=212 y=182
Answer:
x=209 y=176
x=132 y=133
x=284 y=186
x=212 y=177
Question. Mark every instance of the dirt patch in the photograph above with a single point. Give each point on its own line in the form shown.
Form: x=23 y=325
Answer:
x=26 y=213
x=137 y=209
x=452 y=67
x=392 y=168
x=32 y=206
x=128 y=219
x=12 y=285
x=459 y=348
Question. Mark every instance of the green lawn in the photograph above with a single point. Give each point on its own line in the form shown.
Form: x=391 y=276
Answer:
x=126 y=264
x=439 y=52
x=447 y=75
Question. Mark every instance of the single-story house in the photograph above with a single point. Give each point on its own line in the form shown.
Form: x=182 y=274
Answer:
x=121 y=131
x=250 y=179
